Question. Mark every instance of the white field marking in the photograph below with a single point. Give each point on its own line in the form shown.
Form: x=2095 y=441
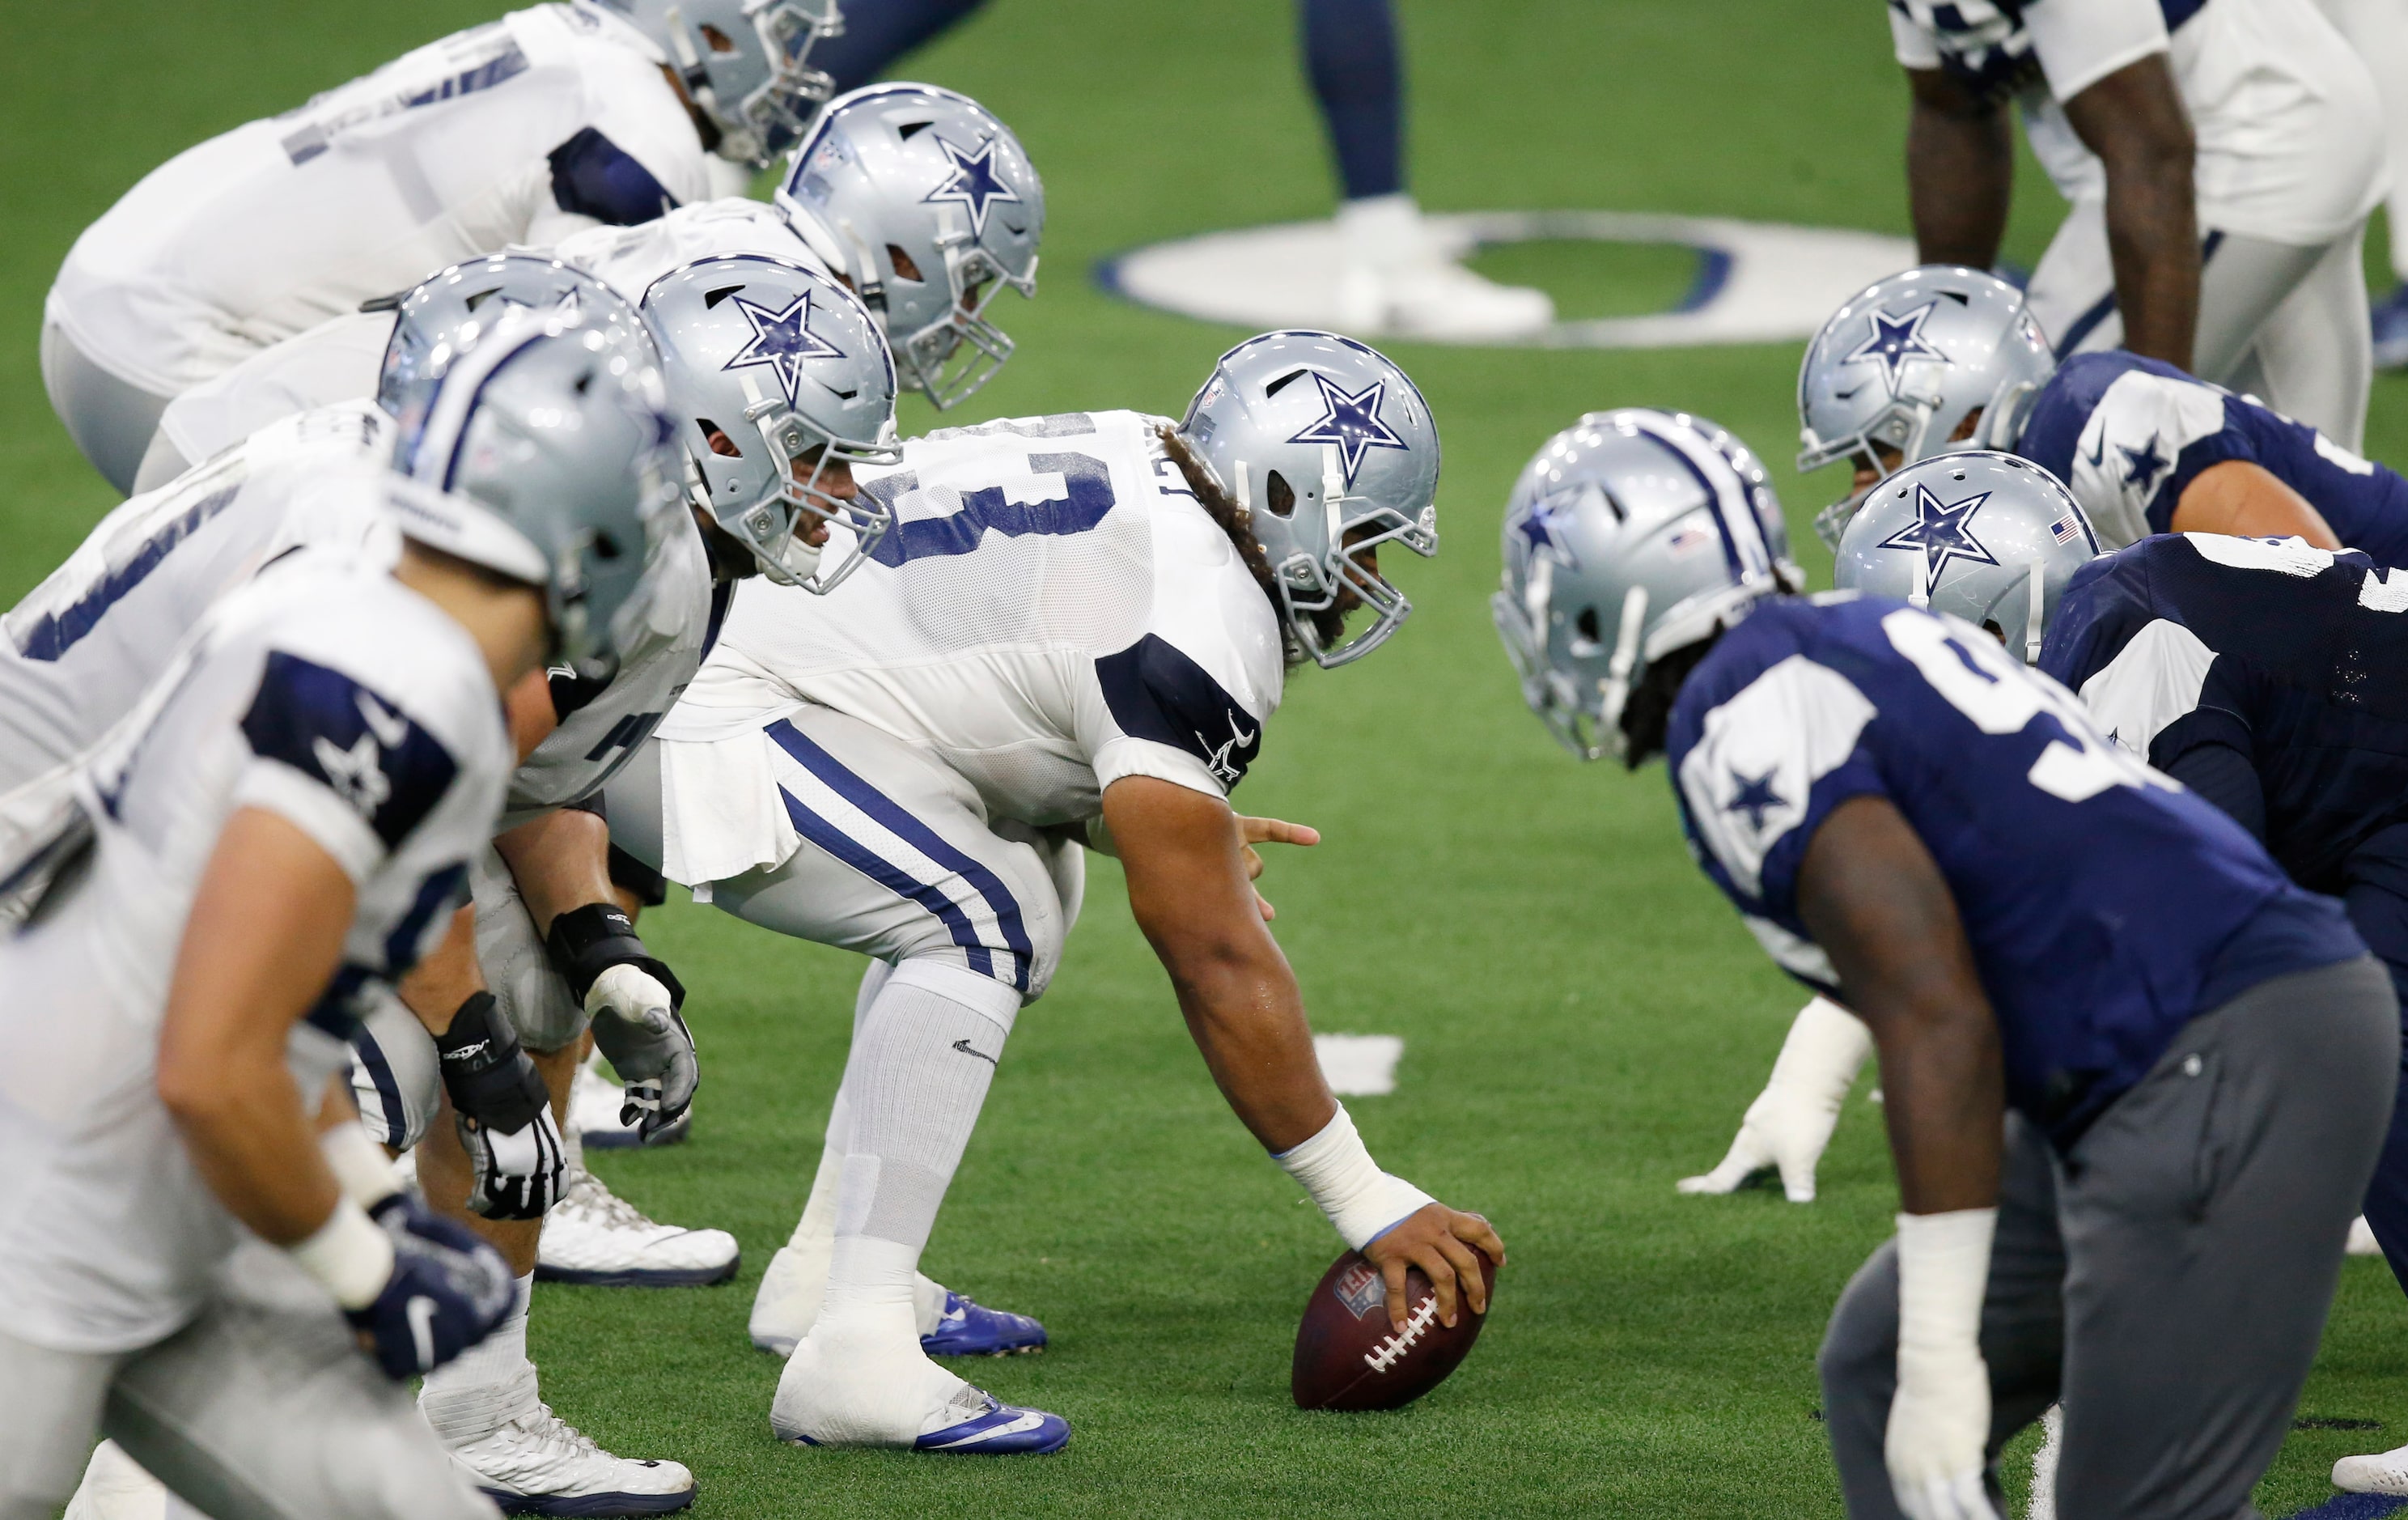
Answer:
x=1757 y=281
x=1392 y=1350
x=1358 y=1066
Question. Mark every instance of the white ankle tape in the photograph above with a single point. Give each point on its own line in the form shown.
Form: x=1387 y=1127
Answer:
x=460 y=1415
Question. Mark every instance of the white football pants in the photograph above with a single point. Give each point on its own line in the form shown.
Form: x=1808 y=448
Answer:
x=110 y=420
x=2378 y=30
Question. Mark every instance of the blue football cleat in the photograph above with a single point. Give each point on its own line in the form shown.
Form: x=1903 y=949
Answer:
x=973 y=1329
x=1003 y=1430
x=2391 y=330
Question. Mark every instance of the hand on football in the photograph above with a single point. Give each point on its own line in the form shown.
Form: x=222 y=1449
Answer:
x=1440 y=1240
x=1256 y=831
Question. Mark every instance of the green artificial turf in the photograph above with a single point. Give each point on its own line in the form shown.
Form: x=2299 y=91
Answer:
x=1583 y=1020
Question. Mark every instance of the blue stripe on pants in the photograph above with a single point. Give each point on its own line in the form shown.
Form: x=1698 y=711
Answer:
x=891 y=816
x=825 y=833
x=388 y=1090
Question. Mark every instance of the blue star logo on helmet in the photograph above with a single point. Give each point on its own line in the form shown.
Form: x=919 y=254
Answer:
x=1943 y=531
x=973 y=182
x=1352 y=423
x=1541 y=530
x=1893 y=340
x=783 y=340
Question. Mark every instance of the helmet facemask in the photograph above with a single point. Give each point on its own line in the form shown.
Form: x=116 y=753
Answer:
x=776 y=112
x=772 y=526
x=1345 y=575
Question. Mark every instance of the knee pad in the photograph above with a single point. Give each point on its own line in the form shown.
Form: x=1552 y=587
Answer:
x=516 y=965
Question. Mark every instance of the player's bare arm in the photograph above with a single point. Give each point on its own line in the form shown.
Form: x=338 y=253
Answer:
x=1879 y=907
x=2246 y=500
x=265 y=932
x=1960 y=170
x=1190 y=889
x=2134 y=120
x=560 y=861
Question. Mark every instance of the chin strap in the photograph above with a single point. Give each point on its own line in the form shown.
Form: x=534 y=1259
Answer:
x=2034 y=621
x=1615 y=689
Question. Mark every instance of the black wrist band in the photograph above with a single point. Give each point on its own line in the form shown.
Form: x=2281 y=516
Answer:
x=586 y=941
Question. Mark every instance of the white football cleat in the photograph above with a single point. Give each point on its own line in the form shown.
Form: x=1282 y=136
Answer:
x=117 y=1487
x=533 y=1462
x=860 y=1390
x=2361 y=1238
x=594 y=1237
x=1397 y=279
x=594 y=1102
x=2385 y=1473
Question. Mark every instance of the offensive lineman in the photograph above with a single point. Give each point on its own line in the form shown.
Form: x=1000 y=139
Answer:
x=2102 y=1144
x=524 y=130
x=1073 y=634
x=2221 y=157
x=275 y=829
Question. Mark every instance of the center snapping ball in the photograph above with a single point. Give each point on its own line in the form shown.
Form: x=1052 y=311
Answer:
x=1348 y=1356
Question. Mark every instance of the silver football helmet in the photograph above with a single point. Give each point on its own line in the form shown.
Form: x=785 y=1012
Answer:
x=744 y=63
x=1328 y=451
x=1905 y=360
x=927 y=202
x=1631 y=534
x=1985 y=535
x=442 y=316
x=543 y=456
x=775 y=374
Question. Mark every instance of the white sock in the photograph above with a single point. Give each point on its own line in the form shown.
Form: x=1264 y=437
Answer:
x=490 y=1382
x=1382 y=231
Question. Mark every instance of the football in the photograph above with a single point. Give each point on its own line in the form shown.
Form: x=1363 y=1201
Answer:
x=1348 y=1357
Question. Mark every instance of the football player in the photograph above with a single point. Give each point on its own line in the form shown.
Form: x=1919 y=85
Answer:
x=1397 y=274
x=916 y=197
x=275 y=830
x=524 y=130
x=2226 y=152
x=2266 y=676
x=1072 y=634
x=2134 y=1077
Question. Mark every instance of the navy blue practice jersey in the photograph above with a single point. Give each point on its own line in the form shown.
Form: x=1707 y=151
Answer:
x=2106 y=906
x=2129 y=435
x=2274 y=679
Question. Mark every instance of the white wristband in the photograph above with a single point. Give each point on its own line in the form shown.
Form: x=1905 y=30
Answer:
x=1943 y=1270
x=359 y=1164
x=350 y=1253
x=1360 y=1200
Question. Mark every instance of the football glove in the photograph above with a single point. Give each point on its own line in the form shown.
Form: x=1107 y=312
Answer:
x=503 y=1115
x=1790 y=1123
x=1936 y=1444
x=448 y=1291
x=633 y=999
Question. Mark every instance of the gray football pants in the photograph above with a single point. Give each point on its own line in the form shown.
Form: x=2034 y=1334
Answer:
x=2287 y=324
x=109 y=419
x=2168 y=1278
x=261 y=1408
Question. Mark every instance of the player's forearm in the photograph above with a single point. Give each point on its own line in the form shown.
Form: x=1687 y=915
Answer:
x=2134 y=120
x=256 y=1147
x=1942 y=1097
x=434 y=989
x=560 y=861
x=1247 y=1018
x=1959 y=177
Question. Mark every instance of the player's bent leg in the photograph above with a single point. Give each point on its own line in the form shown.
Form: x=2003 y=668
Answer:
x=2021 y=1336
x=47 y=1423
x=110 y=420
x=262 y=1409
x=396 y=1074
x=1790 y=1123
x=161 y=461
x=2217 y=1192
x=2315 y=353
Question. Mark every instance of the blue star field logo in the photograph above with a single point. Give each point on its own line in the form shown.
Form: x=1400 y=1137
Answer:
x=1894 y=341
x=2141 y=466
x=1352 y=423
x=782 y=340
x=1943 y=531
x=1754 y=796
x=973 y=182
x=1542 y=529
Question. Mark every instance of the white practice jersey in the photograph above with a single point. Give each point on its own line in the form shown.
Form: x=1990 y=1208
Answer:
x=630 y=259
x=1052 y=612
x=328 y=693
x=602 y=725
x=521 y=131
x=2287 y=122
x=82 y=647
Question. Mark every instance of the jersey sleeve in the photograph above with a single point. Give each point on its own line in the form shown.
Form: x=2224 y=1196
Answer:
x=338 y=761
x=2129 y=435
x=1164 y=715
x=1771 y=762
x=2081 y=42
x=1913 y=47
x=594 y=177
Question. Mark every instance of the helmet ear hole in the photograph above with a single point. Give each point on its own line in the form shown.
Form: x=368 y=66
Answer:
x=1586 y=626
x=716 y=438
x=718 y=41
x=1278 y=498
x=906 y=267
x=606 y=546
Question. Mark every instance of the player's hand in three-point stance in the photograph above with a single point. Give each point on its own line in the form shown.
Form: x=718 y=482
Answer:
x=1255 y=831
x=1876 y=901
